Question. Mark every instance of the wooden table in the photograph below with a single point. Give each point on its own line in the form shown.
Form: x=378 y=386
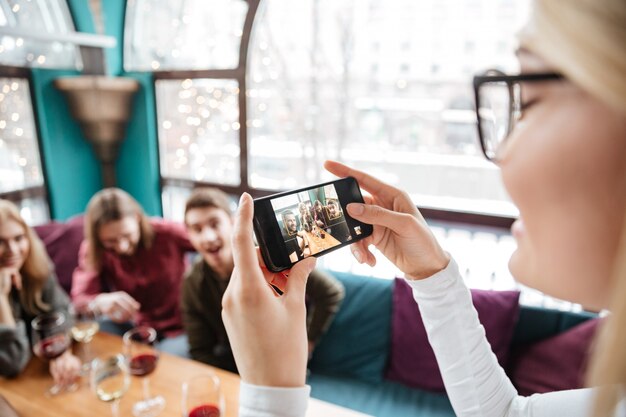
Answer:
x=318 y=244
x=26 y=392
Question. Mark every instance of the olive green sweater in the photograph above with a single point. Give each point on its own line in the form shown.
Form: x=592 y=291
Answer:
x=202 y=312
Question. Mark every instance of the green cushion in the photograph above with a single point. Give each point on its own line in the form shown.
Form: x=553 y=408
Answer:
x=538 y=323
x=357 y=342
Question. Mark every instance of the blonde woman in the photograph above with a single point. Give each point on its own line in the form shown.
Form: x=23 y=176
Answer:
x=562 y=153
x=28 y=287
x=131 y=268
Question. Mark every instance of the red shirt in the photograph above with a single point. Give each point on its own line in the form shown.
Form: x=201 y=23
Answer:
x=152 y=276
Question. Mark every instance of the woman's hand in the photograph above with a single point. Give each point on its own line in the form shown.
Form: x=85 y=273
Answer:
x=9 y=277
x=65 y=369
x=119 y=306
x=400 y=231
x=267 y=332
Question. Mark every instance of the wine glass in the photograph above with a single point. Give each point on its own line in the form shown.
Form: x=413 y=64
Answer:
x=84 y=327
x=110 y=379
x=50 y=340
x=202 y=397
x=142 y=356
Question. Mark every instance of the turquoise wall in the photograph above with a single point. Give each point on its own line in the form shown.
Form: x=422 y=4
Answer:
x=72 y=171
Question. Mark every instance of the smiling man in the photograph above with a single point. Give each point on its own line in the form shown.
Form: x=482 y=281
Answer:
x=210 y=226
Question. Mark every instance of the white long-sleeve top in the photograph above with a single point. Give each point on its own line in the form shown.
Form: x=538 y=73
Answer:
x=474 y=381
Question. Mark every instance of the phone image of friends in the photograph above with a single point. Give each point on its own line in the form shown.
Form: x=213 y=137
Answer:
x=311 y=221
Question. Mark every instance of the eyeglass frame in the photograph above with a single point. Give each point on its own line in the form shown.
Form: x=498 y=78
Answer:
x=491 y=76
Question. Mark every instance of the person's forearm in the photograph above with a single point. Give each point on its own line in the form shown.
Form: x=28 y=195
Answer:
x=475 y=382
x=14 y=349
x=6 y=314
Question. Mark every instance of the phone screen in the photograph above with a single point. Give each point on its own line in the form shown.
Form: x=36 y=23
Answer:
x=311 y=221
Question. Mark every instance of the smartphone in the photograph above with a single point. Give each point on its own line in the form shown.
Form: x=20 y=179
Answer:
x=311 y=221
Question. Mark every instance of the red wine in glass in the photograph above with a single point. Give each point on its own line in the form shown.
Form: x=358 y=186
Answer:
x=143 y=364
x=52 y=347
x=50 y=339
x=142 y=356
x=205 y=410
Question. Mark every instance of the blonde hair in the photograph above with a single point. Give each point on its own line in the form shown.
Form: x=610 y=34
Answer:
x=36 y=268
x=108 y=205
x=586 y=41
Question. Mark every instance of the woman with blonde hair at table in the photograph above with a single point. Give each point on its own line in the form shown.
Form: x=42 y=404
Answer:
x=561 y=148
x=28 y=287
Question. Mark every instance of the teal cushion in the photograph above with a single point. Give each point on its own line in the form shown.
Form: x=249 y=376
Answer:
x=357 y=342
x=538 y=323
x=383 y=399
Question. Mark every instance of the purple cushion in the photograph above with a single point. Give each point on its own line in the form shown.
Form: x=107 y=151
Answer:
x=62 y=241
x=553 y=364
x=412 y=360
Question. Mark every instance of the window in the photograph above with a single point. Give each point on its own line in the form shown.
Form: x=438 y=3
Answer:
x=199 y=130
x=385 y=88
x=31 y=21
x=21 y=171
x=193 y=34
x=382 y=85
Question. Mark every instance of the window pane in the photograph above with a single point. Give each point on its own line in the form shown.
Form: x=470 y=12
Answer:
x=41 y=17
x=20 y=166
x=199 y=129
x=34 y=210
x=384 y=85
x=192 y=34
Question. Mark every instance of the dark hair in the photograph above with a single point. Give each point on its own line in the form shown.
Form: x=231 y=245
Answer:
x=204 y=197
x=109 y=205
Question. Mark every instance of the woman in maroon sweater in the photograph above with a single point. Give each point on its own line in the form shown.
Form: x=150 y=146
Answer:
x=131 y=267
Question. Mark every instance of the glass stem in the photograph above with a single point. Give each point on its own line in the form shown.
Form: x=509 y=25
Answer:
x=146 y=388
x=87 y=352
x=115 y=408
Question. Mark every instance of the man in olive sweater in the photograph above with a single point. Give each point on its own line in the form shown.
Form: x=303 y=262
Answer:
x=208 y=218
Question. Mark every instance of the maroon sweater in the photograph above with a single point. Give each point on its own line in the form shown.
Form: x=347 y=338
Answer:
x=152 y=276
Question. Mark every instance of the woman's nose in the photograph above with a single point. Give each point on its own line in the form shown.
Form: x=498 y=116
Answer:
x=123 y=245
x=208 y=234
x=12 y=247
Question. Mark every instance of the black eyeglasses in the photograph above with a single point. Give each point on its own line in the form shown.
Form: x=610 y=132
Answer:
x=499 y=106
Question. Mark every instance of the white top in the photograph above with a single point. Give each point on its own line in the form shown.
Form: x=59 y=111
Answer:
x=475 y=382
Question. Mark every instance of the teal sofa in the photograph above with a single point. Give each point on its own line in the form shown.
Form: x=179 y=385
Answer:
x=349 y=364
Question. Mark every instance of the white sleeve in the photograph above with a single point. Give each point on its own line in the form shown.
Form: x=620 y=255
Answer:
x=474 y=381
x=261 y=401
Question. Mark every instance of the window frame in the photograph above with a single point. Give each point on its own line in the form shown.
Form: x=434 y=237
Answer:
x=40 y=191
x=239 y=74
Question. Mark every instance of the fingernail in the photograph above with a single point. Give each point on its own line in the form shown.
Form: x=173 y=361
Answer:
x=356 y=208
x=358 y=256
x=242 y=197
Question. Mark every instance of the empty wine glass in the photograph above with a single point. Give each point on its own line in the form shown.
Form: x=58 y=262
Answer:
x=202 y=396
x=84 y=328
x=142 y=356
x=50 y=340
x=110 y=379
